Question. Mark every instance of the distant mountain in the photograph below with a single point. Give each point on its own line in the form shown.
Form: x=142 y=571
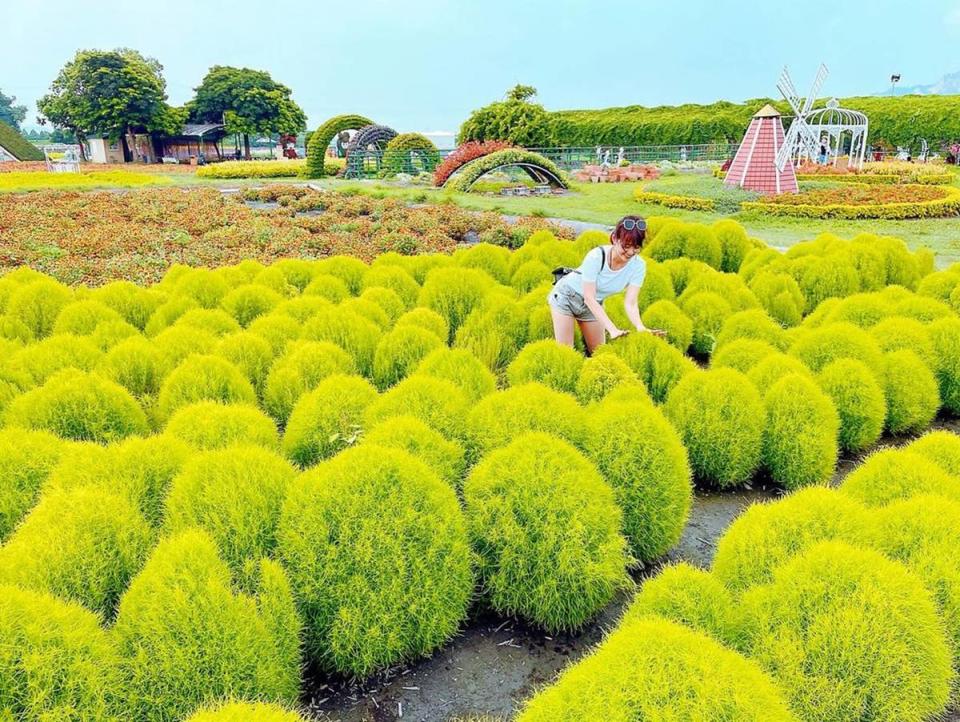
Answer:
x=949 y=84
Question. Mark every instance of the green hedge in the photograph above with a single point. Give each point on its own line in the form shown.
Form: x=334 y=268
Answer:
x=400 y=151
x=473 y=170
x=18 y=146
x=319 y=140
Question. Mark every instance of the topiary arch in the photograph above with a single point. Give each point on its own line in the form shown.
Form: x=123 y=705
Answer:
x=370 y=137
x=540 y=169
x=404 y=151
x=319 y=140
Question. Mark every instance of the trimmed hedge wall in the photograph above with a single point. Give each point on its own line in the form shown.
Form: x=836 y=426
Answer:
x=320 y=139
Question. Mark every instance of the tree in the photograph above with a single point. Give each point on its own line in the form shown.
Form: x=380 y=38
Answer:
x=9 y=113
x=515 y=120
x=521 y=93
x=247 y=102
x=117 y=92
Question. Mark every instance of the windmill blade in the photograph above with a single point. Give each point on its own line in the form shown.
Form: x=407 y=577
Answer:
x=788 y=90
x=789 y=147
x=821 y=76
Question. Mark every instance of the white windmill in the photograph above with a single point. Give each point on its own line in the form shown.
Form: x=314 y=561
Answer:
x=800 y=140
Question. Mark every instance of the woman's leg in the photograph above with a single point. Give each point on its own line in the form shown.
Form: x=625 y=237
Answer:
x=593 y=334
x=562 y=327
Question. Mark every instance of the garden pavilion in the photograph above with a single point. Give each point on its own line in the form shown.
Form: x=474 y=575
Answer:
x=838 y=127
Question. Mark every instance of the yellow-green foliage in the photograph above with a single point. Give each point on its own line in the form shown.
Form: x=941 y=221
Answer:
x=37 y=304
x=546 y=362
x=203 y=378
x=136 y=364
x=399 y=352
x=940 y=447
x=82 y=317
x=688 y=240
x=642 y=457
x=599 y=375
x=327 y=287
x=861 y=309
x=213 y=321
x=250 y=353
x=439 y=404
x=655 y=362
x=39 y=361
x=208 y=425
x=354 y=333
x=753 y=323
x=707 y=310
x=462 y=368
x=57 y=661
x=720 y=417
x=378 y=556
x=179 y=342
x=396 y=279
x=800 y=434
x=135 y=303
x=734 y=244
x=850 y=635
x=245 y=712
x=896 y=333
x=666 y=316
x=768 y=535
x=821 y=346
x=204 y=286
x=327 y=419
x=384 y=299
x=495 y=331
x=78 y=406
x=501 y=416
x=348 y=269
x=167 y=313
x=234 y=494
x=652 y=669
x=187 y=638
x=687 y=595
x=741 y=354
x=529 y=275
x=302 y=367
x=454 y=293
x=26 y=459
x=911 y=390
x=277 y=329
x=547 y=531
x=301 y=308
x=945 y=336
x=859 y=401
x=426 y=319
x=486 y=257
x=774 y=367
x=82 y=544
x=443 y=456
x=892 y=474
x=780 y=295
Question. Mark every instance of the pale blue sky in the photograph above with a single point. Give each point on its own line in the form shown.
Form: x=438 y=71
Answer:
x=423 y=65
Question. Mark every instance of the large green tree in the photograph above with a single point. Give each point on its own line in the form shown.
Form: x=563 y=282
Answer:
x=115 y=92
x=9 y=113
x=515 y=119
x=247 y=102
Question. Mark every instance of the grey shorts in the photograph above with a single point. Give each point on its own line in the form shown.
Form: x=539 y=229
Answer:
x=569 y=302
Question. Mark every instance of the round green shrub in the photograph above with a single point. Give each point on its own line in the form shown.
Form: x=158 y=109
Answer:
x=896 y=333
x=850 y=635
x=720 y=417
x=188 y=639
x=824 y=277
x=461 y=368
x=439 y=404
x=687 y=595
x=529 y=275
x=276 y=280
x=400 y=351
x=411 y=153
x=109 y=333
x=945 y=336
x=327 y=419
x=734 y=244
x=349 y=330
x=349 y=269
x=741 y=354
x=82 y=317
x=209 y=425
x=277 y=329
x=454 y=293
x=547 y=531
x=371 y=310
x=653 y=669
x=302 y=367
x=774 y=367
x=78 y=406
x=892 y=474
x=384 y=299
x=302 y=308
x=444 y=457
x=768 y=535
x=493 y=260
x=910 y=387
x=235 y=495
x=940 y=447
x=395 y=279
x=204 y=286
x=689 y=240
x=497 y=330
x=134 y=303
x=861 y=309
x=250 y=353
x=37 y=304
x=41 y=360
x=648 y=469
x=177 y=343
x=800 y=435
x=729 y=287
x=203 y=378
x=26 y=459
x=655 y=362
x=58 y=663
x=666 y=316
x=599 y=375
x=499 y=417
x=859 y=401
x=922 y=309
x=780 y=295
x=755 y=324
x=245 y=712
x=707 y=311
x=826 y=344
x=547 y=362
x=167 y=314
x=214 y=321
x=82 y=544
x=13 y=329
x=379 y=557
x=426 y=319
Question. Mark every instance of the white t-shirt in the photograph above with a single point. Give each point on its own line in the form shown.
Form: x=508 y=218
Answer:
x=609 y=282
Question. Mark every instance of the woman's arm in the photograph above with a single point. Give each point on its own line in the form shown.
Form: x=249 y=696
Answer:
x=590 y=298
x=631 y=307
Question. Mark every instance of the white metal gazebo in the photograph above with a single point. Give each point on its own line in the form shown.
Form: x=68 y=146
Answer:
x=835 y=126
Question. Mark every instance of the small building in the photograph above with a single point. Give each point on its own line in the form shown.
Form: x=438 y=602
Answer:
x=14 y=147
x=193 y=139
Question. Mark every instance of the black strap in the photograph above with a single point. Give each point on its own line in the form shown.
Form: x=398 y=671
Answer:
x=603 y=258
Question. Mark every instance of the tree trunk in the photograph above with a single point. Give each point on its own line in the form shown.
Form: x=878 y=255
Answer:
x=80 y=138
x=246 y=146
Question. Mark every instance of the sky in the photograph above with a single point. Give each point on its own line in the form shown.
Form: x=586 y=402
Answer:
x=423 y=65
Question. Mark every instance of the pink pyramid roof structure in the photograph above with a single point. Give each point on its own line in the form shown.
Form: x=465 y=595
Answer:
x=754 y=167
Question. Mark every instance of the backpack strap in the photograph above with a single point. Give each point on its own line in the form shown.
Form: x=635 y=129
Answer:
x=603 y=258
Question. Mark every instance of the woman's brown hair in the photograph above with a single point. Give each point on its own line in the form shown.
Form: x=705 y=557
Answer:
x=635 y=236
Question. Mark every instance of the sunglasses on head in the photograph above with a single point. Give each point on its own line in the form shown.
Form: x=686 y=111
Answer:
x=630 y=224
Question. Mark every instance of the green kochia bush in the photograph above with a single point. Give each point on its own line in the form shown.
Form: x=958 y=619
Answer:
x=800 y=434
x=79 y=406
x=708 y=311
x=82 y=317
x=327 y=419
x=438 y=403
x=859 y=401
x=911 y=391
x=250 y=353
x=41 y=360
x=379 y=558
x=454 y=293
x=37 y=304
x=26 y=459
x=546 y=362
x=245 y=712
x=940 y=447
x=659 y=365
x=57 y=662
x=461 y=368
x=234 y=494
x=824 y=345
x=399 y=352
x=302 y=367
x=136 y=364
x=188 y=639
x=599 y=375
x=774 y=367
x=945 y=336
x=214 y=321
x=247 y=302
x=666 y=316
x=203 y=378
x=408 y=433
x=208 y=425
x=642 y=457
x=893 y=474
x=394 y=278
x=720 y=417
x=426 y=319
x=83 y=545
x=741 y=354
x=352 y=332
x=547 y=531
x=767 y=535
x=850 y=636
x=652 y=669
x=687 y=240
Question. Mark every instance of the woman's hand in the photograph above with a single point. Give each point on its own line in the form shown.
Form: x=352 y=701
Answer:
x=617 y=333
x=660 y=333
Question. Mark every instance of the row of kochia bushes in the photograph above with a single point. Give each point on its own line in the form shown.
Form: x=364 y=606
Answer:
x=827 y=605
x=232 y=471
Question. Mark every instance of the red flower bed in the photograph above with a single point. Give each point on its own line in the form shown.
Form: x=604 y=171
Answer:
x=464 y=154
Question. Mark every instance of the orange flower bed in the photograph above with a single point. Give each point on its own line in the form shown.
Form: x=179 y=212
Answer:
x=858 y=195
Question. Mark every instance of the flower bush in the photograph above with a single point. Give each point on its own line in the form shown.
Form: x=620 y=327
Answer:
x=473 y=170
x=855 y=202
x=465 y=153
